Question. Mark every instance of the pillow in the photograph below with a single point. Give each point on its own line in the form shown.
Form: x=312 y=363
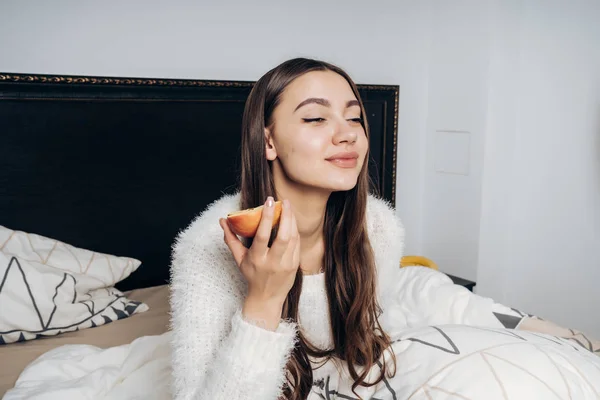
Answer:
x=464 y=362
x=48 y=287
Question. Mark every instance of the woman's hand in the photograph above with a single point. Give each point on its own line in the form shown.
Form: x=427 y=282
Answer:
x=270 y=272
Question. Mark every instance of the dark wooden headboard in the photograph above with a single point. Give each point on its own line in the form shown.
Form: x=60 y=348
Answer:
x=121 y=165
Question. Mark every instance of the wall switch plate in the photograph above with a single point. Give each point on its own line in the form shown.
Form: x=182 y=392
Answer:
x=452 y=152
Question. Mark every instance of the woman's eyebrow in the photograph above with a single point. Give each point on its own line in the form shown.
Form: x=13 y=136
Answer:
x=314 y=100
x=325 y=103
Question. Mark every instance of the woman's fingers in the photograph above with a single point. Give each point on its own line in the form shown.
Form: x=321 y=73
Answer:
x=236 y=247
x=260 y=242
x=284 y=233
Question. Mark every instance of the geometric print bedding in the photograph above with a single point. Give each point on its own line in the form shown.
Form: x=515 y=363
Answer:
x=470 y=363
x=48 y=287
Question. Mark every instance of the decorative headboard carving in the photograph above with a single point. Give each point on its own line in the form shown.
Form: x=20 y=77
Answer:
x=120 y=165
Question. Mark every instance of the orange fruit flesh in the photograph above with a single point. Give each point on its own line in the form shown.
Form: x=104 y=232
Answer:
x=245 y=222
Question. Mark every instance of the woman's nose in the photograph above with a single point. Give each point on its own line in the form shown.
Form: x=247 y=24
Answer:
x=345 y=133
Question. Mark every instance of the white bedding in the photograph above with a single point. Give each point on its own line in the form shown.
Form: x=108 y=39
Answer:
x=434 y=363
x=139 y=370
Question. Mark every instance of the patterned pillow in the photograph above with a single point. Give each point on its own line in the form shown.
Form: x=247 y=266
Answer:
x=48 y=287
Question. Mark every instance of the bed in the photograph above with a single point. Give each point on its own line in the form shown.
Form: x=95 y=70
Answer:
x=119 y=166
x=97 y=177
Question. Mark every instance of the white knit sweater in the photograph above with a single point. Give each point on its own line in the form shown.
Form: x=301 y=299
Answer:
x=217 y=355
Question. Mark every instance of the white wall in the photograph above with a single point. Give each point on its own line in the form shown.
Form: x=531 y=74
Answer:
x=540 y=226
x=457 y=93
x=520 y=76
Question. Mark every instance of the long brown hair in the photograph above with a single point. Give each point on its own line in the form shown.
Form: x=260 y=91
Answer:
x=348 y=262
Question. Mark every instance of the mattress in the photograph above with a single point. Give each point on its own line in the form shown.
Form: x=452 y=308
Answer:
x=15 y=357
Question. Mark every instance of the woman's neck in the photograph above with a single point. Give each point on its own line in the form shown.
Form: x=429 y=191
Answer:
x=309 y=209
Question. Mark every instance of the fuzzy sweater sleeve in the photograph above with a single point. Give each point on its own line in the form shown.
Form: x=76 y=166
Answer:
x=217 y=355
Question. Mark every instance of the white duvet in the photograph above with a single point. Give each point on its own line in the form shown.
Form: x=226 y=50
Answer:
x=434 y=363
x=139 y=370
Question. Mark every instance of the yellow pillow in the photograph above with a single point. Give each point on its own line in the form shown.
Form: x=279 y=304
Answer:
x=417 y=260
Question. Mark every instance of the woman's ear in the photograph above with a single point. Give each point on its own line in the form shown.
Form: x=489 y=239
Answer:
x=270 y=150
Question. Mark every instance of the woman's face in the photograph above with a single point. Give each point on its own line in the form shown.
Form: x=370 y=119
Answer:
x=317 y=135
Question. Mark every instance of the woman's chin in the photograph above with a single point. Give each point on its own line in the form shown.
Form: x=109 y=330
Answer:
x=340 y=185
x=330 y=184
x=329 y=187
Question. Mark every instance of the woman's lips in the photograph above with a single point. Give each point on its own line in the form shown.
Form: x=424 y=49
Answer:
x=344 y=162
x=346 y=159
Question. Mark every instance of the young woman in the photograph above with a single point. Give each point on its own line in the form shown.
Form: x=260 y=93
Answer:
x=272 y=317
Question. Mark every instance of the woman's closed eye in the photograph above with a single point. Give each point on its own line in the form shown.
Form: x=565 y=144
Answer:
x=313 y=120
x=357 y=120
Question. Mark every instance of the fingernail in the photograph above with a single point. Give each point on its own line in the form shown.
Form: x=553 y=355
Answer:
x=269 y=201
x=286 y=203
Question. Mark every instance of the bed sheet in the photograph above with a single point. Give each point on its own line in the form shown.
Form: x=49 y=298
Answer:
x=15 y=357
